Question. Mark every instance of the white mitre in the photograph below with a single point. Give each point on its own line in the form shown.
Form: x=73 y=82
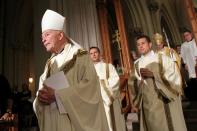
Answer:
x=52 y=20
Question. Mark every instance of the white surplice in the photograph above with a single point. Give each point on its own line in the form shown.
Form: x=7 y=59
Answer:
x=112 y=84
x=189 y=55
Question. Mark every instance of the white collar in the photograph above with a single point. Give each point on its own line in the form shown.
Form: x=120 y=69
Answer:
x=149 y=54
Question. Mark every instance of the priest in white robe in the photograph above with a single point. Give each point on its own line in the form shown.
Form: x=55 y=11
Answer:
x=78 y=106
x=159 y=90
x=109 y=84
x=189 y=53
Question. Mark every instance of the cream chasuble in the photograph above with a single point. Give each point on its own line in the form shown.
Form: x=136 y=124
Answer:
x=81 y=100
x=159 y=99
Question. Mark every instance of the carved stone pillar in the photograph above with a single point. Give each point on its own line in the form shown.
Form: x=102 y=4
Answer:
x=153 y=7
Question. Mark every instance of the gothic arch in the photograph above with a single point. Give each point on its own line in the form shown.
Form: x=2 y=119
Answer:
x=132 y=12
x=137 y=17
x=166 y=21
x=132 y=24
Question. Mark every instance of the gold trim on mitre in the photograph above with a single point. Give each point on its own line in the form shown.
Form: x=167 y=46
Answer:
x=158 y=38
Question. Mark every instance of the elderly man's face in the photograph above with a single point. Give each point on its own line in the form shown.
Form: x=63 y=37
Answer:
x=50 y=39
x=160 y=46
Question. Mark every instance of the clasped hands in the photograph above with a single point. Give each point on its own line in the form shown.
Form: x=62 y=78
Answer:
x=146 y=73
x=46 y=95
